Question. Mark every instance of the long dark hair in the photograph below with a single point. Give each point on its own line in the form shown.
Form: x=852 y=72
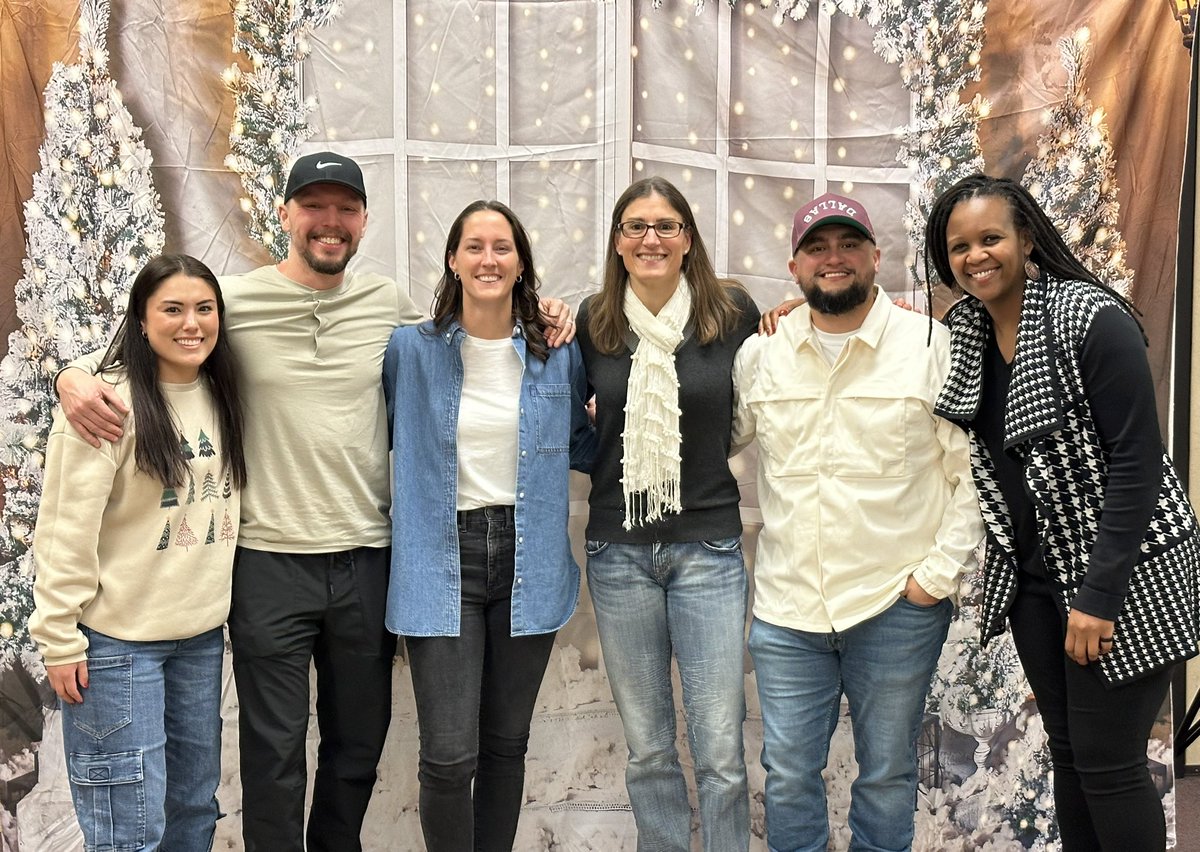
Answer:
x=713 y=310
x=156 y=450
x=1050 y=252
x=448 y=298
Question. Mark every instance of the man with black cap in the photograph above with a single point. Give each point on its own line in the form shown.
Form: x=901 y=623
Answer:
x=311 y=574
x=869 y=518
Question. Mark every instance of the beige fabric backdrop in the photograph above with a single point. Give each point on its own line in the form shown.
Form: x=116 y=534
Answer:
x=167 y=57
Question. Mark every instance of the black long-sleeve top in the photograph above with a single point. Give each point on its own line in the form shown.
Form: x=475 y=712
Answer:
x=1120 y=392
x=708 y=491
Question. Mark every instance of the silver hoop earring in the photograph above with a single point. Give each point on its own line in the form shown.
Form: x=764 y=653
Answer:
x=456 y=277
x=1032 y=271
x=518 y=279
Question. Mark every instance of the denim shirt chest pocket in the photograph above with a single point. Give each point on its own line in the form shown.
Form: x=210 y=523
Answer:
x=552 y=417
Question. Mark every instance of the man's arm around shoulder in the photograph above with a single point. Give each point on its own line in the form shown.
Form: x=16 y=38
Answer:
x=89 y=403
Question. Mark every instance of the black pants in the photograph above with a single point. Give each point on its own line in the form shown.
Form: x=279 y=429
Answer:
x=1103 y=794
x=289 y=609
x=475 y=695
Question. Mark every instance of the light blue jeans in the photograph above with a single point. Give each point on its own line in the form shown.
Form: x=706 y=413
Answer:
x=144 y=748
x=883 y=666
x=686 y=599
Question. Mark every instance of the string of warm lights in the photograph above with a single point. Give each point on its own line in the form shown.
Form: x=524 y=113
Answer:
x=936 y=45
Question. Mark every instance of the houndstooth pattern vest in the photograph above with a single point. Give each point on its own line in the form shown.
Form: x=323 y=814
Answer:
x=1049 y=423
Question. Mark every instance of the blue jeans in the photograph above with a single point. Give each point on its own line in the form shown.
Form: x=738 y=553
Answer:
x=144 y=748
x=687 y=599
x=883 y=665
x=475 y=695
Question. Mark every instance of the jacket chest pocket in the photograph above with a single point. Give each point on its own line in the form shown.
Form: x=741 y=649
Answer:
x=858 y=436
x=870 y=435
x=788 y=433
x=552 y=417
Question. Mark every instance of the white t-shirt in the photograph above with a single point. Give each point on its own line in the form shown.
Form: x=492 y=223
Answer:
x=831 y=343
x=488 y=421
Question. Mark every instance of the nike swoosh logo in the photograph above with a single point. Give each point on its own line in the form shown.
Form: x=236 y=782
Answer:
x=326 y=165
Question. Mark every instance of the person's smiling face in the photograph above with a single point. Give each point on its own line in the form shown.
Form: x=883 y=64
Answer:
x=486 y=260
x=835 y=267
x=181 y=326
x=325 y=223
x=986 y=250
x=651 y=260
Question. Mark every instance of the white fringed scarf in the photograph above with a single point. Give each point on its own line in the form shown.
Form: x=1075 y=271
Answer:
x=650 y=468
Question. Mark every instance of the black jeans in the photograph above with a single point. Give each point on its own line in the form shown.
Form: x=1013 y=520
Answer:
x=1103 y=794
x=288 y=609
x=475 y=695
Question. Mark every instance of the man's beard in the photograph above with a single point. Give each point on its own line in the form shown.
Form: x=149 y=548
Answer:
x=838 y=302
x=333 y=266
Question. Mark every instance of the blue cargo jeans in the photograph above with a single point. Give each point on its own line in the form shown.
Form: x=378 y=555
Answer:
x=144 y=748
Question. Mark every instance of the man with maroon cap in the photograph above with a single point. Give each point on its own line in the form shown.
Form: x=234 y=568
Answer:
x=869 y=518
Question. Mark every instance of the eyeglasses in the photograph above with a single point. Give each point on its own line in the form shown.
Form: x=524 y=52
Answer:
x=665 y=229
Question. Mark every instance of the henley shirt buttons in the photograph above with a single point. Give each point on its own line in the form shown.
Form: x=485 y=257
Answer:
x=521 y=495
x=522 y=454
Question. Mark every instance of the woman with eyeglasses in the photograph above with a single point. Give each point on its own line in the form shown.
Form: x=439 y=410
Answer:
x=664 y=554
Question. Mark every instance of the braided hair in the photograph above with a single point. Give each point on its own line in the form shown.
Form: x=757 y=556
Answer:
x=1050 y=252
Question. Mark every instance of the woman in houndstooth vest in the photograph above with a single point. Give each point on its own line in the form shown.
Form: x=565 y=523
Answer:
x=1091 y=544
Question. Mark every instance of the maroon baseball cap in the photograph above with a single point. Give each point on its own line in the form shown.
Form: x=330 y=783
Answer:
x=830 y=209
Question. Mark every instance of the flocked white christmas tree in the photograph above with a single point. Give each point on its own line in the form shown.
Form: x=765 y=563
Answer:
x=969 y=678
x=270 y=114
x=1074 y=175
x=1020 y=795
x=937 y=44
x=92 y=222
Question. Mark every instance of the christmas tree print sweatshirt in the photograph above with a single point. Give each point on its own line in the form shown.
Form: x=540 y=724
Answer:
x=116 y=551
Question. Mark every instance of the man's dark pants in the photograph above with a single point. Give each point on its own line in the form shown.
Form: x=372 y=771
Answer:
x=288 y=609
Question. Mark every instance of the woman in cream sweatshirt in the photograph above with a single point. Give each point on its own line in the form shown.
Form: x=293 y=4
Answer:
x=134 y=549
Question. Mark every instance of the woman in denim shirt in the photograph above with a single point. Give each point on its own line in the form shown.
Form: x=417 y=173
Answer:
x=486 y=420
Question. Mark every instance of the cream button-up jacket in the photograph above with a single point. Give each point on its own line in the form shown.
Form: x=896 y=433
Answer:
x=860 y=483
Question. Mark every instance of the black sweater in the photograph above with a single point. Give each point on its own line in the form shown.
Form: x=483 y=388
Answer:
x=709 y=492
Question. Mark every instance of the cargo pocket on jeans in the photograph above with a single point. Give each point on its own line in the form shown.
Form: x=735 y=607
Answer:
x=110 y=799
x=108 y=701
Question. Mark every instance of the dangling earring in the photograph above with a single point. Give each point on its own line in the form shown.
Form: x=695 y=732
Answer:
x=1032 y=272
